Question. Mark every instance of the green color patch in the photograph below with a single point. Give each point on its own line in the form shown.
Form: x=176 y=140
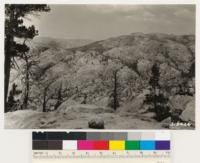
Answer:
x=132 y=145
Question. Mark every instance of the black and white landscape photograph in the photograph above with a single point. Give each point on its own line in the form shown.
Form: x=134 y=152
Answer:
x=99 y=66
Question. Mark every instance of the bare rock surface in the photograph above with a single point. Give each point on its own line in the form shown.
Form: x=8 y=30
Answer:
x=189 y=113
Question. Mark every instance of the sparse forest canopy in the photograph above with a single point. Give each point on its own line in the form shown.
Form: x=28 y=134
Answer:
x=15 y=28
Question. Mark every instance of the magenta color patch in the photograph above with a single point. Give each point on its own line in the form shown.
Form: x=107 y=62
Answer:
x=85 y=145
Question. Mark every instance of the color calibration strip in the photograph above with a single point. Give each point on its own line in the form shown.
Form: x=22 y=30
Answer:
x=101 y=141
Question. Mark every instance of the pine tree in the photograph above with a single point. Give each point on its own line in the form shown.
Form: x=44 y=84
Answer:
x=11 y=98
x=156 y=100
x=27 y=84
x=14 y=28
x=114 y=103
x=154 y=81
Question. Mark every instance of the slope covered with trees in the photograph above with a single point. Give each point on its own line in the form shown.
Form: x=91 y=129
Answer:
x=117 y=77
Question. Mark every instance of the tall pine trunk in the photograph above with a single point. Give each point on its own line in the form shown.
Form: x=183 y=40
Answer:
x=7 y=67
x=26 y=98
x=6 y=79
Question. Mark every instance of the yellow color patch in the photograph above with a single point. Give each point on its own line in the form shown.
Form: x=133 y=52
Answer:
x=116 y=145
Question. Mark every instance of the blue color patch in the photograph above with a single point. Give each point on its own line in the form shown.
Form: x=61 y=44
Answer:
x=147 y=145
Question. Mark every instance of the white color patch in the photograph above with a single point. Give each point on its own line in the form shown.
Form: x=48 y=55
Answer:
x=69 y=145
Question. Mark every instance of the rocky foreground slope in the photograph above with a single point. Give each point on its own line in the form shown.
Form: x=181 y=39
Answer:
x=85 y=75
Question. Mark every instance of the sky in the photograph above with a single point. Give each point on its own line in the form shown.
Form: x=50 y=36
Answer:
x=98 y=22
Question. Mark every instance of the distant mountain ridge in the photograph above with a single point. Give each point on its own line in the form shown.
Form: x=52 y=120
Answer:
x=59 y=42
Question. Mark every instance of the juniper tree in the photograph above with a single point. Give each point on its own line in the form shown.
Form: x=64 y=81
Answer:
x=15 y=28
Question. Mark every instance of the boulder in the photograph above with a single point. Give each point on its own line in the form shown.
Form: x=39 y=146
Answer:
x=189 y=113
x=179 y=102
x=166 y=122
x=137 y=104
x=96 y=124
x=64 y=107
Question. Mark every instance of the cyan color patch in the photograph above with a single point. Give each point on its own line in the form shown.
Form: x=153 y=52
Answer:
x=147 y=145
